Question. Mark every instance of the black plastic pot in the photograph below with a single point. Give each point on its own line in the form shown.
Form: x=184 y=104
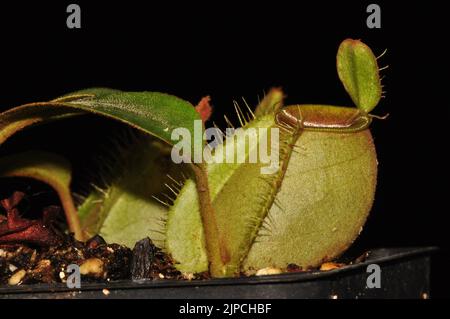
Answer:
x=405 y=273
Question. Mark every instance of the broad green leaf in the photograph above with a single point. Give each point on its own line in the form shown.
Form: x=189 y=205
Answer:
x=154 y=113
x=358 y=70
x=50 y=169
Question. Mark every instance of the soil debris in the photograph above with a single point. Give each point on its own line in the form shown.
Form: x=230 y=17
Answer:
x=149 y=262
x=98 y=262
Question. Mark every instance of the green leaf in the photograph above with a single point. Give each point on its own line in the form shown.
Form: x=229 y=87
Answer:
x=358 y=71
x=50 y=169
x=154 y=113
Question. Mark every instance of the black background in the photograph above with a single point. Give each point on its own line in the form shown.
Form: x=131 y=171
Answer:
x=229 y=50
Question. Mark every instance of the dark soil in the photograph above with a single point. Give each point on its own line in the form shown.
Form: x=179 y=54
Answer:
x=98 y=262
x=35 y=247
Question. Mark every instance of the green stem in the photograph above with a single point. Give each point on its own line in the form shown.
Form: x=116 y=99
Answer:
x=72 y=218
x=218 y=253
